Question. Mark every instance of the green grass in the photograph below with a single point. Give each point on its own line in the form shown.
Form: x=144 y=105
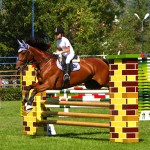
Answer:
x=67 y=138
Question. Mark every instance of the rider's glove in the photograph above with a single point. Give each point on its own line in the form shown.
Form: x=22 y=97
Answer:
x=58 y=53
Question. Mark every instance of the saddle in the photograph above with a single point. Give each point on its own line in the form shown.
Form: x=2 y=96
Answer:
x=74 y=63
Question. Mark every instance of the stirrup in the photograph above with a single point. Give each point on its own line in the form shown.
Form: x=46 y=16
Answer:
x=66 y=77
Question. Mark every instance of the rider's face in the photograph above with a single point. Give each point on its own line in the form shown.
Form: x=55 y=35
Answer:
x=58 y=36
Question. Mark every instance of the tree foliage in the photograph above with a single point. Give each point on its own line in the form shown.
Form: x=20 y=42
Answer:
x=126 y=34
x=88 y=24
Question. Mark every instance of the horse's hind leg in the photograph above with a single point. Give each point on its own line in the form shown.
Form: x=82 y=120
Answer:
x=92 y=84
x=102 y=78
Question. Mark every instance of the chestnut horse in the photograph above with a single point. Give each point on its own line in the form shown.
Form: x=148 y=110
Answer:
x=93 y=72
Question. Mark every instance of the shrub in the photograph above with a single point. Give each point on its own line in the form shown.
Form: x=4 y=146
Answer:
x=10 y=94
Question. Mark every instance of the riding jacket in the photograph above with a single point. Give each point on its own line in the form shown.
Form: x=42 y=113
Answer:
x=62 y=44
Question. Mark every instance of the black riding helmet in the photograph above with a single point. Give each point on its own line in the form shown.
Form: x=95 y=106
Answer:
x=59 y=30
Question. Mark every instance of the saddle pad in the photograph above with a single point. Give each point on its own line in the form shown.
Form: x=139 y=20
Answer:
x=76 y=66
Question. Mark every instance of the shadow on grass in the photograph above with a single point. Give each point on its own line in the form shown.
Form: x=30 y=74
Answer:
x=85 y=136
x=79 y=136
x=141 y=140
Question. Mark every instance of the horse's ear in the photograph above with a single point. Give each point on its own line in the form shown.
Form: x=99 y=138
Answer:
x=25 y=44
x=19 y=43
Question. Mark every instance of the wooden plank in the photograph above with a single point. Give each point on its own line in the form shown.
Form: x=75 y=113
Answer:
x=10 y=75
x=74 y=114
x=95 y=104
x=8 y=70
x=74 y=123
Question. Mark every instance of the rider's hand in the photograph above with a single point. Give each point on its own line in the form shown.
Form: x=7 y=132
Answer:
x=58 y=53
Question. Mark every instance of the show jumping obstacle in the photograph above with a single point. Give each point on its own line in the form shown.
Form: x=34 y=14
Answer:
x=77 y=93
x=40 y=109
x=123 y=70
x=124 y=97
x=144 y=88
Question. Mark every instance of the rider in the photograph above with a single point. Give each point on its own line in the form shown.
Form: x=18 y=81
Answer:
x=65 y=48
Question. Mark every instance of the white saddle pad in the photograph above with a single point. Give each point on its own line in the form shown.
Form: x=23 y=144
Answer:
x=76 y=66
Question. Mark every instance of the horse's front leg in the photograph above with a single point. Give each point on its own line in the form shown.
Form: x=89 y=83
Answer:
x=28 y=88
x=37 y=89
x=30 y=101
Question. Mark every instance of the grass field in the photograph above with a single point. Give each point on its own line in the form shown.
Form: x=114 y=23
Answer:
x=67 y=138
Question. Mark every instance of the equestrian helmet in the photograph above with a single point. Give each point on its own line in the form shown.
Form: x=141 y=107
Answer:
x=59 y=30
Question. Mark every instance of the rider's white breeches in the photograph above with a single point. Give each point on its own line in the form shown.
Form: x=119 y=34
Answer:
x=69 y=57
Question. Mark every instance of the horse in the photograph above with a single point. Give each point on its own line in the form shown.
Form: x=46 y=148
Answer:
x=93 y=72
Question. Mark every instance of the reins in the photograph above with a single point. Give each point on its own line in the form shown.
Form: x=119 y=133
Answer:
x=36 y=62
x=29 y=58
x=45 y=64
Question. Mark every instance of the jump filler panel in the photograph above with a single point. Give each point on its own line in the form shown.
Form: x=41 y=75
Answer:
x=124 y=98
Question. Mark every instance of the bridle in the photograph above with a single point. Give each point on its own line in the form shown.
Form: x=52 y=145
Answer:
x=26 y=60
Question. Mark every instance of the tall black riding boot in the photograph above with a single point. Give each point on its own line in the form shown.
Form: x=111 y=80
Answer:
x=66 y=75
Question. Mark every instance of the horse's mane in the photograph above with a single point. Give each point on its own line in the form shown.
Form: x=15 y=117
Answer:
x=38 y=43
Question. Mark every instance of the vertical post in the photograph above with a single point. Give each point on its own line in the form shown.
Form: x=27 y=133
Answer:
x=144 y=91
x=33 y=18
x=124 y=98
x=30 y=119
x=142 y=28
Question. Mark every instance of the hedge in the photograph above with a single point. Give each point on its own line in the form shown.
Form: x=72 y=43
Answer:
x=10 y=94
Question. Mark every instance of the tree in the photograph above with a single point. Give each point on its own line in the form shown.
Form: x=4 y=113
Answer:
x=126 y=34
x=88 y=24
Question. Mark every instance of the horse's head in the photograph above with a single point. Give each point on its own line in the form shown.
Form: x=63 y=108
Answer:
x=24 y=55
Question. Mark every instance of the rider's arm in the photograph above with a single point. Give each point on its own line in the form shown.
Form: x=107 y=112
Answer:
x=67 y=49
x=58 y=49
